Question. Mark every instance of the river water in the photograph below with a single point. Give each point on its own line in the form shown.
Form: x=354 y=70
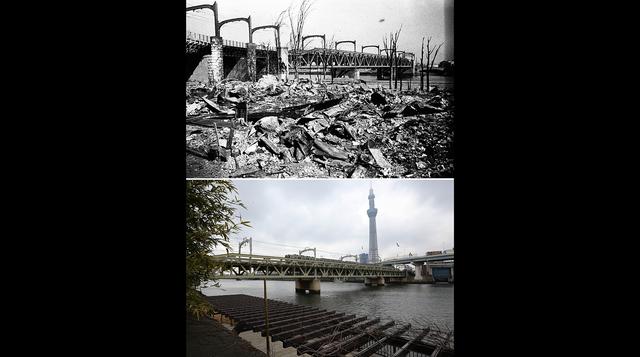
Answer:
x=417 y=304
x=442 y=82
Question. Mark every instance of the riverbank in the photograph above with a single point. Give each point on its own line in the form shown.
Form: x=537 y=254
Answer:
x=207 y=337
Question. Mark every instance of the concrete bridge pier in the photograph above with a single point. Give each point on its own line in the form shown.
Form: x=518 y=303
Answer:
x=251 y=61
x=284 y=57
x=356 y=74
x=378 y=281
x=308 y=286
x=429 y=270
x=215 y=66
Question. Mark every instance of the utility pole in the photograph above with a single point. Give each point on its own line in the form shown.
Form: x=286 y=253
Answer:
x=266 y=317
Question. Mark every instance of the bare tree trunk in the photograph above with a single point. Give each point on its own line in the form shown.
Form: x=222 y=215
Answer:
x=390 y=68
x=394 y=59
x=422 y=66
x=295 y=35
x=391 y=74
x=395 y=62
x=428 y=69
x=431 y=59
x=400 y=75
x=386 y=43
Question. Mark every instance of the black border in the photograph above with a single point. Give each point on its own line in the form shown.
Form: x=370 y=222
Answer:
x=129 y=215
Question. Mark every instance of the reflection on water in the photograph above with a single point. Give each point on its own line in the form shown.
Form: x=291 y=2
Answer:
x=418 y=304
x=442 y=82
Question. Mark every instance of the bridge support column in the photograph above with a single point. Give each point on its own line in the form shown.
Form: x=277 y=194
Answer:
x=216 y=66
x=378 y=281
x=356 y=73
x=427 y=273
x=429 y=270
x=379 y=73
x=284 y=58
x=251 y=61
x=308 y=286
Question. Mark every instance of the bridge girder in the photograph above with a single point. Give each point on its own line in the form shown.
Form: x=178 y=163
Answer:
x=342 y=59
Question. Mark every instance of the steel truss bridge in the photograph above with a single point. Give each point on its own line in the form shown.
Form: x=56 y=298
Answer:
x=248 y=266
x=307 y=59
x=329 y=58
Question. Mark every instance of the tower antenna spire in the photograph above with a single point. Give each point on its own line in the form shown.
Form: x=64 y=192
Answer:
x=373 y=236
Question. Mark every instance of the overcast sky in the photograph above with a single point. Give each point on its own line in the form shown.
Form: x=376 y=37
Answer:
x=331 y=215
x=359 y=20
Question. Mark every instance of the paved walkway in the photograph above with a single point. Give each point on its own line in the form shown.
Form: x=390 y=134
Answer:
x=208 y=338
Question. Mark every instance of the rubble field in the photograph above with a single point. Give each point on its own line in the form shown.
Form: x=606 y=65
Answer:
x=299 y=128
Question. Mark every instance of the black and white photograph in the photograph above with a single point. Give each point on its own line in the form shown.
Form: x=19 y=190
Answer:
x=320 y=89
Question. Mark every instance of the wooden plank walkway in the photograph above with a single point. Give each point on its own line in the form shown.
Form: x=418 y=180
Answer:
x=318 y=332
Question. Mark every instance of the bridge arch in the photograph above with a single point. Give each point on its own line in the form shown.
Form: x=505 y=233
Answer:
x=324 y=44
x=245 y=19
x=345 y=41
x=308 y=250
x=349 y=255
x=376 y=46
x=277 y=38
x=275 y=27
x=213 y=8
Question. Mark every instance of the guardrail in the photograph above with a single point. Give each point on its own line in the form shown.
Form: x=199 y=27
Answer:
x=194 y=36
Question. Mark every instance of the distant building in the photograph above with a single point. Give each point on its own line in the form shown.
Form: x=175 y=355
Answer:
x=363 y=258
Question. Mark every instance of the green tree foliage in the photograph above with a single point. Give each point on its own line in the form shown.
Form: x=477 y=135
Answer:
x=210 y=220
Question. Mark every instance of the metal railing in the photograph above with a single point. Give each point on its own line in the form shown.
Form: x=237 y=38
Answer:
x=198 y=37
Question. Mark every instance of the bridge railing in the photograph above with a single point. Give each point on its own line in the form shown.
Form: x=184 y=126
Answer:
x=194 y=36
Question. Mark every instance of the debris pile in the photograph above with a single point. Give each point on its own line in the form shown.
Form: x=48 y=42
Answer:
x=298 y=128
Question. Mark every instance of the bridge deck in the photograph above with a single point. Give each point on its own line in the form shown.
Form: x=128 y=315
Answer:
x=324 y=333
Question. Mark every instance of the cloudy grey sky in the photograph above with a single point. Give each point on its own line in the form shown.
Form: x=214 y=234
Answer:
x=330 y=215
x=358 y=20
